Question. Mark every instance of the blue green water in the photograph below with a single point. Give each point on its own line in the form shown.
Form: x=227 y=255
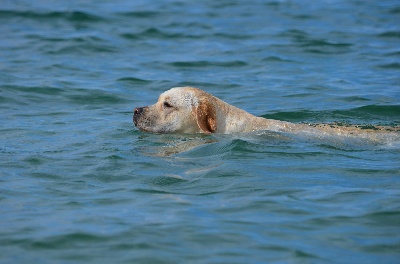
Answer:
x=80 y=184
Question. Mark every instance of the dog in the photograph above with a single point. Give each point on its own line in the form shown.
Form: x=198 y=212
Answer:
x=191 y=110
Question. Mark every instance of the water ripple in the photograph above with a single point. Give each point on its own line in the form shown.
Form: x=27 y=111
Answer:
x=80 y=184
x=71 y=16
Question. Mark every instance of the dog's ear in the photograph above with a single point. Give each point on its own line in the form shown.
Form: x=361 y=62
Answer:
x=205 y=116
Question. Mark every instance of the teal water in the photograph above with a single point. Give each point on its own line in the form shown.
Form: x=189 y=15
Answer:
x=80 y=184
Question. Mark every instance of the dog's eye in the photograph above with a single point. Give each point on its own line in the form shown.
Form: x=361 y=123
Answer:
x=167 y=105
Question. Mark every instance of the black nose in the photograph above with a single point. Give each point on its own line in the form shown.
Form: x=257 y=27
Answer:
x=136 y=114
x=138 y=110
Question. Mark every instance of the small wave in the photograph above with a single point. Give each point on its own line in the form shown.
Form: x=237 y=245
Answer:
x=187 y=34
x=60 y=242
x=313 y=45
x=369 y=113
x=157 y=33
x=47 y=90
x=392 y=54
x=275 y=59
x=169 y=179
x=381 y=110
x=133 y=80
x=394 y=66
x=83 y=49
x=390 y=34
x=140 y=14
x=232 y=36
x=83 y=44
x=293 y=33
x=72 y=16
x=190 y=64
x=325 y=47
x=395 y=10
x=353 y=99
x=296 y=116
x=93 y=97
x=76 y=96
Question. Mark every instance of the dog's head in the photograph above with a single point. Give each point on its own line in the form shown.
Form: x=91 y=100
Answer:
x=180 y=110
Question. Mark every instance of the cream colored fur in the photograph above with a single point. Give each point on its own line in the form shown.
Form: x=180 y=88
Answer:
x=191 y=110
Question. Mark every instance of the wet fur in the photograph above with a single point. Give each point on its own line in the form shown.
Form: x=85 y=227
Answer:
x=191 y=110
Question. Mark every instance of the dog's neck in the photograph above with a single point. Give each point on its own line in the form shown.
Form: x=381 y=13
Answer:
x=231 y=119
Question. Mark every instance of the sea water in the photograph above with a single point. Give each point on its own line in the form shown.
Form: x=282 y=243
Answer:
x=80 y=184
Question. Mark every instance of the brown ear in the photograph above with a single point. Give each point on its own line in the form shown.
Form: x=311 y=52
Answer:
x=206 y=117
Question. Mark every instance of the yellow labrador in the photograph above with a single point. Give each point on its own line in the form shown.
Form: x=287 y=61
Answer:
x=191 y=110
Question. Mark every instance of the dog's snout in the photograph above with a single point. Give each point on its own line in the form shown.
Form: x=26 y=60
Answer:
x=138 y=110
x=136 y=114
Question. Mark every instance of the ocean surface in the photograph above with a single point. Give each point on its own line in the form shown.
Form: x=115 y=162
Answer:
x=80 y=184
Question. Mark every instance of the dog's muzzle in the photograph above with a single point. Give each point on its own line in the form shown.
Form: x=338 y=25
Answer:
x=136 y=114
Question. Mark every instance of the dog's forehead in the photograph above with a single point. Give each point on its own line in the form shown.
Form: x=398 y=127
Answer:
x=179 y=95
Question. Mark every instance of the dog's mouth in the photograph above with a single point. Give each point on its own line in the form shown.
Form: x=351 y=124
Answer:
x=140 y=122
x=135 y=119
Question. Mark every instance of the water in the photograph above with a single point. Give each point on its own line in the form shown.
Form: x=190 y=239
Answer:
x=80 y=184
